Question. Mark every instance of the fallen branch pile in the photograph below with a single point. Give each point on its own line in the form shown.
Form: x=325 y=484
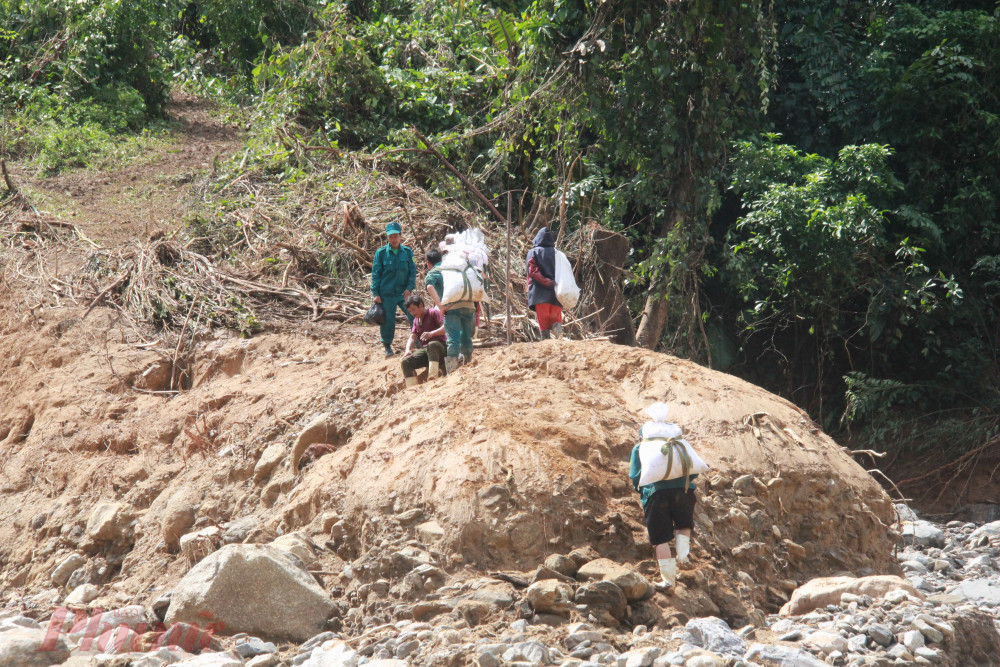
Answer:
x=281 y=252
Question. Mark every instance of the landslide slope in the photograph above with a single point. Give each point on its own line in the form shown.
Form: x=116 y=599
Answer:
x=519 y=454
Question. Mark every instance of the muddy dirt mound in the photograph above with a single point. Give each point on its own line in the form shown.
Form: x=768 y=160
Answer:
x=519 y=454
x=525 y=453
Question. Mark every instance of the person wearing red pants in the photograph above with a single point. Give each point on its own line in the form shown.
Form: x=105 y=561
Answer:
x=541 y=284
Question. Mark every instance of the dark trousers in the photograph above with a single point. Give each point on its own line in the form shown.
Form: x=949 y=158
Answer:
x=389 y=326
x=435 y=351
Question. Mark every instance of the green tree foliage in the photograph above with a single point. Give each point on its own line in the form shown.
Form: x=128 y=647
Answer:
x=829 y=288
x=77 y=50
x=921 y=78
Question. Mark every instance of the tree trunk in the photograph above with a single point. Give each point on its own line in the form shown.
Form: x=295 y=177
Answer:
x=604 y=276
x=654 y=316
x=654 y=313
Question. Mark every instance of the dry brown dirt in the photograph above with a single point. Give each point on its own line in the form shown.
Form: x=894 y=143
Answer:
x=520 y=454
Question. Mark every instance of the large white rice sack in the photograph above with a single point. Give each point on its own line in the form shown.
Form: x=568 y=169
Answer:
x=656 y=465
x=462 y=267
x=567 y=291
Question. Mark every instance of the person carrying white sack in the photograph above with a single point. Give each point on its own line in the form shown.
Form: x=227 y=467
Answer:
x=662 y=469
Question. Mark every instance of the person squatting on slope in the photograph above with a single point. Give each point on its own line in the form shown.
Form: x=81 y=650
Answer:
x=667 y=504
x=459 y=317
x=394 y=276
x=428 y=336
x=540 y=284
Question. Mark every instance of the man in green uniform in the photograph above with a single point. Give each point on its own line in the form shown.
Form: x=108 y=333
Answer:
x=394 y=275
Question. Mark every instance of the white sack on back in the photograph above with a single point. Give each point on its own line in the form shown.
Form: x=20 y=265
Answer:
x=656 y=466
x=567 y=292
x=461 y=268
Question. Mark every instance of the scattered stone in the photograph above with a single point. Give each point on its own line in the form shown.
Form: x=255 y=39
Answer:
x=913 y=639
x=430 y=531
x=604 y=600
x=318 y=430
x=715 y=635
x=268 y=460
x=199 y=544
x=61 y=574
x=640 y=657
x=212 y=660
x=564 y=565
x=332 y=653
x=929 y=632
x=827 y=642
x=531 y=652
x=782 y=655
x=250 y=647
x=922 y=533
x=880 y=634
x=633 y=585
x=239 y=530
x=299 y=545
x=82 y=595
x=550 y=596
x=109 y=522
x=980 y=590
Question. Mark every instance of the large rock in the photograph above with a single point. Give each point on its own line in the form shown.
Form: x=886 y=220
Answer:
x=715 y=635
x=633 y=585
x=922 y=534
x=255 y=589
x=550 y=596
x=23 y=647
x=604 y=600
x=828 y=590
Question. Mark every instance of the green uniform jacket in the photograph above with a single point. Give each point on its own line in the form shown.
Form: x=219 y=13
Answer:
x=393 y=272
x=647 y=490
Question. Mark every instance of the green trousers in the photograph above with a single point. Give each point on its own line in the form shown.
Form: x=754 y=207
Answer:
x=435 y=351
x=388 y=327
x=458 y=325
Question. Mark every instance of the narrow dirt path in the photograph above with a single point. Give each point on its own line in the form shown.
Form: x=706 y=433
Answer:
x=154 y=191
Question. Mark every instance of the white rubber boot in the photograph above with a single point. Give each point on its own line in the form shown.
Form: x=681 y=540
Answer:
x=411 y=382
x=668 y=572
x=433 y=368
x=683 y=547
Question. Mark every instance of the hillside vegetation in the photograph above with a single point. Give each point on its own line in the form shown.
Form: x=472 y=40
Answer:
x=809 y=189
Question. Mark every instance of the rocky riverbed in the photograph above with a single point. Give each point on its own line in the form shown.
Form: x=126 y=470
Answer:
x=575 y=610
